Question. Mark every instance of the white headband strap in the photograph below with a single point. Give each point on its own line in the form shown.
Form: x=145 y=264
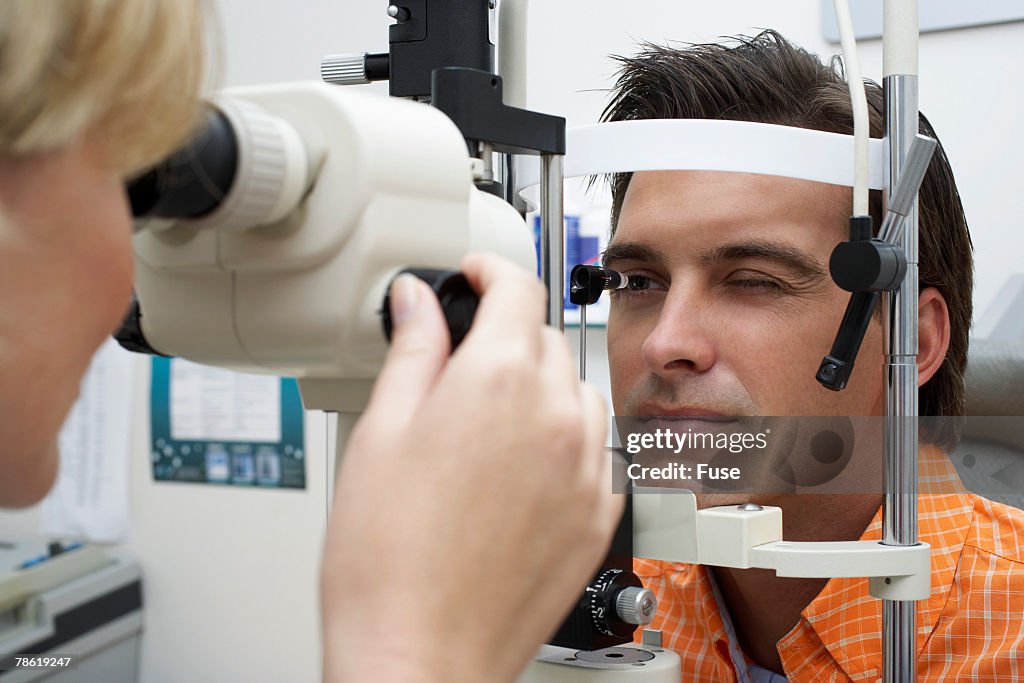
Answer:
x=711 y=145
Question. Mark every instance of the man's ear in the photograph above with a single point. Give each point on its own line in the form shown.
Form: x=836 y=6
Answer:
x=932 y=335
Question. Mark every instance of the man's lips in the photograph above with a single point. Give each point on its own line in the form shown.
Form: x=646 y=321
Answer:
x=653 y=411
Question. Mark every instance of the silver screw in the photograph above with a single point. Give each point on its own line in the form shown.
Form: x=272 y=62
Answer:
x=750 y=507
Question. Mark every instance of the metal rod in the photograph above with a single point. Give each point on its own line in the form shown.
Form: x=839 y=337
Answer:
x=900 y=322
x=485 y=152
x=552 y=237
x=507 y=166
x=512 y=50
x=901 y=199
x=583 y=343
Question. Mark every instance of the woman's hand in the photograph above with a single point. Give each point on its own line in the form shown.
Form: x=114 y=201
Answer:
x=474 y=500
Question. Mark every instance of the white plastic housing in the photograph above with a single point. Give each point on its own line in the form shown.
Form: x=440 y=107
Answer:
x=895 y=572
x=560 y=665
x=727 y=535
x=667 y=526
x=391 y=188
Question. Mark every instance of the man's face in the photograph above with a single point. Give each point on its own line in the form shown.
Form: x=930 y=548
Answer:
x=731 y=307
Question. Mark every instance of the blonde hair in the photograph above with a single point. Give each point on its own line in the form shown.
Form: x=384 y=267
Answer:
x=126 y=73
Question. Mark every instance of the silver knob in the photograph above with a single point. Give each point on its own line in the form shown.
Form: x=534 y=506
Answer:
x=636 y=605
x=399 y=14
x=348 y=69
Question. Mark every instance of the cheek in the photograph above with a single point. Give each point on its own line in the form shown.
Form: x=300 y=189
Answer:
x=776 y=355
x=625 y=357
x=120 y=278
x=768 y=356
x=111 y=262
x=781 y=363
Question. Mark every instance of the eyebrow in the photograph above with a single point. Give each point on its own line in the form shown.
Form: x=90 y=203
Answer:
x=789 y=257
x=631 y=251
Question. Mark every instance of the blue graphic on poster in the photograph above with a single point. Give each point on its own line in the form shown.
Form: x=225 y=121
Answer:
x=216 y=426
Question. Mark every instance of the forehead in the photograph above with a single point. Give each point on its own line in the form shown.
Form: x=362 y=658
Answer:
x=713 y=206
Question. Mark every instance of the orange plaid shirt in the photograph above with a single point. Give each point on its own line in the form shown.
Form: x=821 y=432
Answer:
x=971 y=628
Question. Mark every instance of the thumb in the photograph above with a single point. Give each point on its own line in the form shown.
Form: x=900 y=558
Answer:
x=420 y=345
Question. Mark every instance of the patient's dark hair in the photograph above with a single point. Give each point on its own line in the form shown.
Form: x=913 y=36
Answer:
x=767 y=79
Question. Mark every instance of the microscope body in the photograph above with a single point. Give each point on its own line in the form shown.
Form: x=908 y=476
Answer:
x=388 y=184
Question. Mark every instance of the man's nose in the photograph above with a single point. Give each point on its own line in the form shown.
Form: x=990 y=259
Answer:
x=684 y=339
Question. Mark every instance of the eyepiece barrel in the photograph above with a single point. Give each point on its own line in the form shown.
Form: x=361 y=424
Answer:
x=195 y=179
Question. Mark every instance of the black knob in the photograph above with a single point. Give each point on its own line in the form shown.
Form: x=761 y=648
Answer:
x=602 y=595
x=457 y=298
x=867 y=266
x=130 y=335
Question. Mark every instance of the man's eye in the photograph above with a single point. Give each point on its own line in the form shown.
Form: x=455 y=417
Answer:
x=756 y=283
x=639 y=282
x=638 y=285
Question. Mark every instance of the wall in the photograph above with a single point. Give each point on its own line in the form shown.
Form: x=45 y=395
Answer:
x=231 y=575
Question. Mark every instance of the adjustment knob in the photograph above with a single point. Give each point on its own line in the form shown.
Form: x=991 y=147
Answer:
x=607 y=606
x=345 y=69
x=867 y=266
x=457 y=298
x=636 y=605
x=130 y=335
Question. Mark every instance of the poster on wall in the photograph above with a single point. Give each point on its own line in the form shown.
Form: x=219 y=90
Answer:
x=214 y=426
x=90 y=497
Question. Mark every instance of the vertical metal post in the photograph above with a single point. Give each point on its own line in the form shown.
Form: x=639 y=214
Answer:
x=583 y=343
x=900 y=325
x=552 y=237
x=512 y=51
x=899 y=519
x=507 y=175
x=506 y=168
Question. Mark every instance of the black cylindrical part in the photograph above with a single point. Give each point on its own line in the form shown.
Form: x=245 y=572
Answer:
x=195 y=179
x=867 y=266
x=377 y=67
x=457 y=298
x=130 y=335
x=586 y=284
x=861 y=228
x=836 y=368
